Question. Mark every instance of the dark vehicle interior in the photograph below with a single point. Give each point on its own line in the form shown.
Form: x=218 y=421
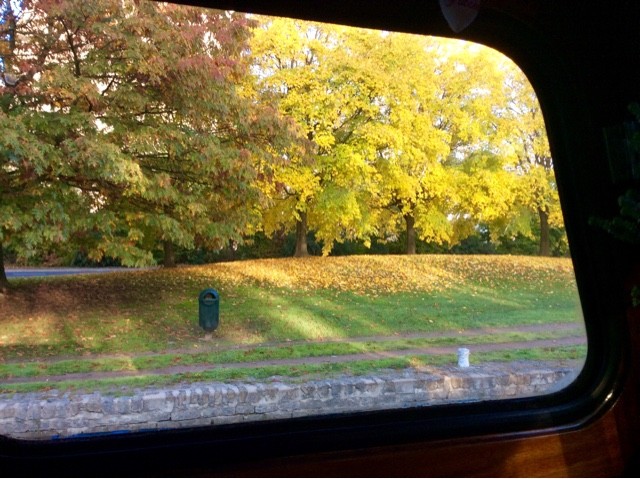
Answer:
x=583 y=60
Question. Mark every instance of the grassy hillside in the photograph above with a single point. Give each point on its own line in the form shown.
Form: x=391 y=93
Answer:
x=284 y=299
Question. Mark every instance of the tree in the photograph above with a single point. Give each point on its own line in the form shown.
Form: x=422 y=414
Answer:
x=35 y=210
x=103 y=122
x=537 y=193
x=399 y=126
x=330 y=94
x=440 y=109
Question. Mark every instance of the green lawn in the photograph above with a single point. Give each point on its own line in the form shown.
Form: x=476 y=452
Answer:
x=271 y=310
x=283 y=300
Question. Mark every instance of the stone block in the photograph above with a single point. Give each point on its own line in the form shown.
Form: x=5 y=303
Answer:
x=91 y=403
x=244 y=408
x=510 y=391
x=14 y=427
x=68 y=408
x=122 y=405
x=268 y=408
x=249 y=394
x=196 y=396
x=289 y=392
x=268 y=393
x=206 y=411
x=156 y=401
x=6 y=410
x=47 y=409
x=215 y=396
x=185 y=414
x=520 y=379
x=404 y=386
x=538 y=379
x=202 y=396
x=107 y=405
x=135 y=418
x=230 y=394
x=19 y=410
x=308 y=390
x=225 y=411
x=181 y=398
x=80 y=422
x=368 y=387
x=137 y=404
x=389 y=386
x=157 y=416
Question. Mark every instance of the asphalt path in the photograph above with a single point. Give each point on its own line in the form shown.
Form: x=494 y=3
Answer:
x=39 y=272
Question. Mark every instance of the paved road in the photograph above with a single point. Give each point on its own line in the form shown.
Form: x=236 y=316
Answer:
x=32 y=272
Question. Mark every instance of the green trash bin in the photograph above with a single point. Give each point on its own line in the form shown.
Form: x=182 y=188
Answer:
x=209 y=309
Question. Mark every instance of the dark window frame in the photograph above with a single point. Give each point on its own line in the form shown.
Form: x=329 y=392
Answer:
x=574 y=140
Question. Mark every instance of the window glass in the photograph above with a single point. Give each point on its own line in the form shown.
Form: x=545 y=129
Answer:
x=210 y=217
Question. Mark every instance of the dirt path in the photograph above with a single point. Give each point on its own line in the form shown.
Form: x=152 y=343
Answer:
x=569 y=340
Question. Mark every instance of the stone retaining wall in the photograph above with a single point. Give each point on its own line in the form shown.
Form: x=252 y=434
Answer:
x=61 y=414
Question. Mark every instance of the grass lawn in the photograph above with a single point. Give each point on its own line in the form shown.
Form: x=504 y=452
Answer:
x=282 y=309
x=283 y=300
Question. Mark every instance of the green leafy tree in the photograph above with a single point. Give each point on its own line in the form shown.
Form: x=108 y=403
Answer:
x=105 y=142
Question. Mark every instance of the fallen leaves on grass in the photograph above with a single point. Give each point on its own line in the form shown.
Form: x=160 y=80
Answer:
x=387 y=274
x=149 y=309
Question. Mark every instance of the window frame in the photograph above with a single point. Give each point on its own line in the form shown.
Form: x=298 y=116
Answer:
x=580 y=404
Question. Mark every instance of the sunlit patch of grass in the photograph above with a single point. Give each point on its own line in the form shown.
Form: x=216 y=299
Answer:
x=30 y=330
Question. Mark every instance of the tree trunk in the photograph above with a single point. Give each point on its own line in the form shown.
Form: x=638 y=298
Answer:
x=411 y=233
x=4 y=282
x=301 y=236
x=545 y=237
x=169 y=255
